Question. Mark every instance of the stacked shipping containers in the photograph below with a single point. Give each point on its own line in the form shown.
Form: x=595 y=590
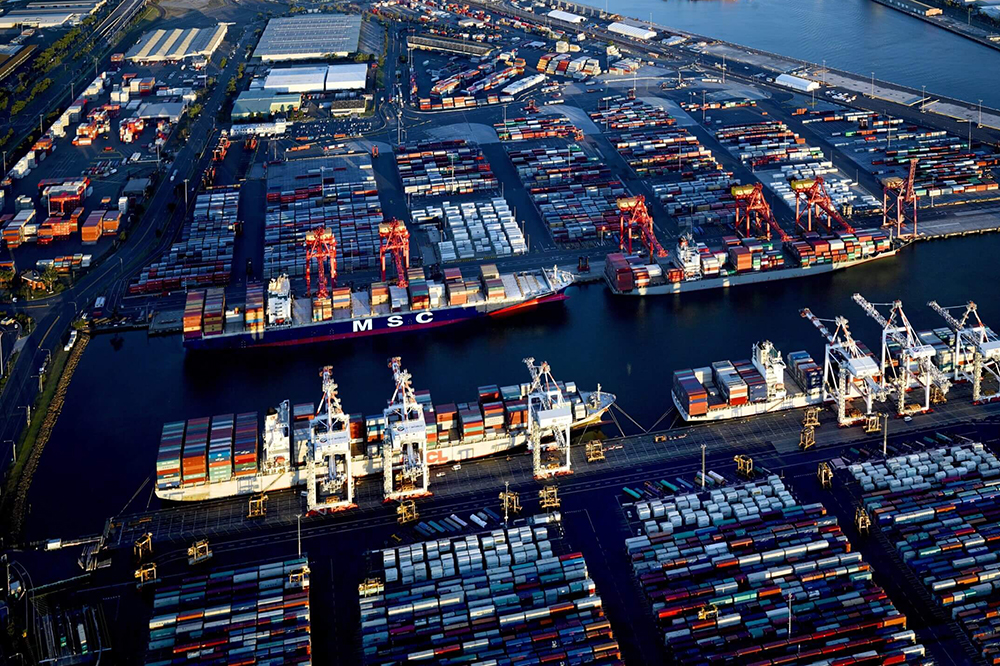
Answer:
x=194 y=470
x=204 y=255
x=245 y=444
x=253 y=316
x=506 y=596
x=220 y=449
x=194 y=308
x=767 y=143
x=539 y=127
x=723 y=569
x=435 y=168
x=251 y=615
x=941 y=509
x=168 y=459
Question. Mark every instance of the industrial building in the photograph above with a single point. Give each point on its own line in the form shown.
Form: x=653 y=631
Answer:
x=633 y=31
x=560 y=15
x=176 y=45
x=309 y=37
x=49 y=14
x=264 y=104
x=449 y=45
x=796 y=83
x=318 y=78
x=172 y=111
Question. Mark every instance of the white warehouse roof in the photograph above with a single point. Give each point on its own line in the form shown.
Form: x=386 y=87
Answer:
x=633 y=31
x=560 y=15
x=309 y=37
x=353 y=76
x=177 y=44
x=796 y=83
x=296 y=79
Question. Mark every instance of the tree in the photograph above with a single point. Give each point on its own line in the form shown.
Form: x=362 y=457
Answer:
x=223 y=63
x=50 y=277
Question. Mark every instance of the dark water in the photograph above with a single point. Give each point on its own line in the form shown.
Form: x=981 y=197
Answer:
x=105 y=442
x=855 y=35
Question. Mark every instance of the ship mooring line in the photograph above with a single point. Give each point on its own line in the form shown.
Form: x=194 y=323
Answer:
x=662 y=416
x=625 y=414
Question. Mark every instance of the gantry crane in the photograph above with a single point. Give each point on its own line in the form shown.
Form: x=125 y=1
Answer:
x=899 y=201
x=395 y=239
x=848 y=371
x=973 y=337
x=404 y=442
x=896 y=328
x=634 y=221
x=550 y=417
x=812 y=198
x=330 y=432
x=752 y=208
x=321 y=246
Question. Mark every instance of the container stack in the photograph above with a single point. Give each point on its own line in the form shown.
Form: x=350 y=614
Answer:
x=194 y=463
x=690 y=392
x=767 y=143
x=733 y=388
x=168 y=460
x=253 y=317
x=220 y=449
x=707 y=201
x=92 y=228
x=537 y=127
x=463 y=102
x=194 y=308
x=437 y=168
x=621 y=115
x=253 y=615
x=471 y=420
x=204 y=255
x=494 y=80
x=245 y=444
x=722 y=570
x=215 y=311
x=814 y=249
x=941 y=509
x=576 y=195
x=473 y=230
x=505 y=596
x=806 y=371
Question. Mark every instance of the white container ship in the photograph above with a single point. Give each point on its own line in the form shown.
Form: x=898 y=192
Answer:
x=324 y=450
x=740 y=389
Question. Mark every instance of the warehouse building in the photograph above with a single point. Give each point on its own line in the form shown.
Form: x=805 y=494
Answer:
x=50 y=14
x=177 y=45
x=309 y=37
x=560 y=15
x=633 y=31
x=172 y=111
x=264 y=104
x=318 y=78
x=796 y=83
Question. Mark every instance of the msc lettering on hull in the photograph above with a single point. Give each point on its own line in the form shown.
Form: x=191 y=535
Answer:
x=395 y=321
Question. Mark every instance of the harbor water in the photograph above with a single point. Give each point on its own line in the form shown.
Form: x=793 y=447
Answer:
x=859 y=36
x=105 y=442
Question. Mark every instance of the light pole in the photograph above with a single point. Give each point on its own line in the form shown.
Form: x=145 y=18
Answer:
x=980 y=123
x=703 y=466
x=923 y=97
x=873 y=85
x=5 y=162
x=298 y=518
x=885 y=436
x=186 y=194
x=13 y=449
x=824 y=72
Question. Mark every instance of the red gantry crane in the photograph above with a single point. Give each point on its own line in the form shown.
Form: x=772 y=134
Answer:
x=899 y=201
x=812 y=198
x=394 y=238
x=321 y=246
x=752 y=208
x=634 y=221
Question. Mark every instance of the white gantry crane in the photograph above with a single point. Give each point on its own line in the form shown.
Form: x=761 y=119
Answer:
x=973 y=338
x=550 y=417
x=848 y=372
x=915 y=366
x=404 y=442
x=330 y=432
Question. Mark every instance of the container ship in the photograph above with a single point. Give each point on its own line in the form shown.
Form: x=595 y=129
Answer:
x=737 y=389
x=274 y=316
x=324 y=449
x=694 y=266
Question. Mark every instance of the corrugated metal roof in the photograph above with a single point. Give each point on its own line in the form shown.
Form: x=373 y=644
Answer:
x=309 y=36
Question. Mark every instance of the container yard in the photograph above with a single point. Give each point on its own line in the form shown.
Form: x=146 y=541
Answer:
x=472 y=230
x=337 y=192
x=440 y=168
x=946 y=167
x=255 y=614
x=749 y=574
x=939 y=509
x=204 y=254
x=538 y=127
x=766 y=143
x=576 y=194
x=515 y=594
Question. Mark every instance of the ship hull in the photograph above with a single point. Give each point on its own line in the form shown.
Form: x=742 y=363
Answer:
x=750 y=409
x=346 y=329
x=748 y=278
